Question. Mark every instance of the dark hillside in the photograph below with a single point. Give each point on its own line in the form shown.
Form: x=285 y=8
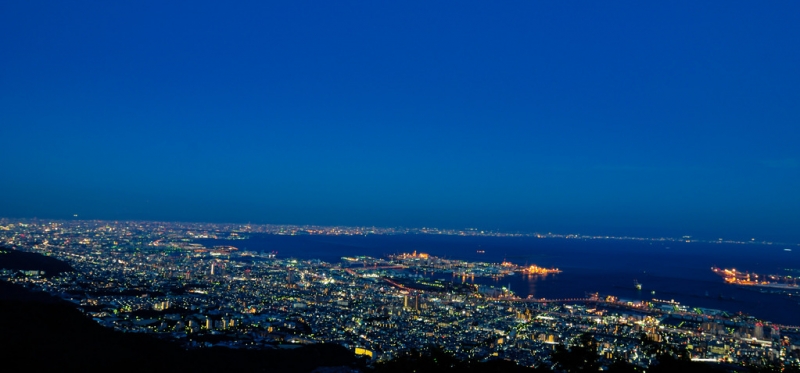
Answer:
x=41 y=333
x=24 y=261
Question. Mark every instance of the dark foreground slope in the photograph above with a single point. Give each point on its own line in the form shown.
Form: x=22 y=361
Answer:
x=23 y=261
x=41 y=333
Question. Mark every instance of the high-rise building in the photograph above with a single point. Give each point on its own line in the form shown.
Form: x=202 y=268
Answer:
x=758 y=333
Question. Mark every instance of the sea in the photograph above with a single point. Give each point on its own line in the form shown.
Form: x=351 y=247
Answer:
x=667 y=270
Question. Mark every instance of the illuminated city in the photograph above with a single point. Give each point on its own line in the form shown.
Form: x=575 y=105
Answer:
x=152 y=277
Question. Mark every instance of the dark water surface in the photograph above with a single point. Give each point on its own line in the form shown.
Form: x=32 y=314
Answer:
x=673 y=270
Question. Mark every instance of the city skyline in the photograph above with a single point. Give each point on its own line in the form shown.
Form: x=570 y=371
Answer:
x=363 y=230
x=623 y=119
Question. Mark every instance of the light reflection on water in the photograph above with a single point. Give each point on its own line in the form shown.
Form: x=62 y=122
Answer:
x=673 y=270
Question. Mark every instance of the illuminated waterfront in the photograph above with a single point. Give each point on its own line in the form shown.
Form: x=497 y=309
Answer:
x=673 y=270
x=170 y=280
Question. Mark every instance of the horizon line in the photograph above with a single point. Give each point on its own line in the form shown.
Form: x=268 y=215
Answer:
x=388 y=230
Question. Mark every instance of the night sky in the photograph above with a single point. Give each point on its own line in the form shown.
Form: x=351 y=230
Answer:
x=640 y=118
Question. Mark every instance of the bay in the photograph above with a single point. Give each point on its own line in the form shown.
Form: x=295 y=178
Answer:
x=667 y=270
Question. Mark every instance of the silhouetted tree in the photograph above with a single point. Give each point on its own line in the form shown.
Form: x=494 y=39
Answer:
x=581 y=356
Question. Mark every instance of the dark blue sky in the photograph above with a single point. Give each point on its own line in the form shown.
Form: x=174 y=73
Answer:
x=593 y=117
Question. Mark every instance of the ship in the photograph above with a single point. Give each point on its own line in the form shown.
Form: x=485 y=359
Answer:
x=637 y=285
